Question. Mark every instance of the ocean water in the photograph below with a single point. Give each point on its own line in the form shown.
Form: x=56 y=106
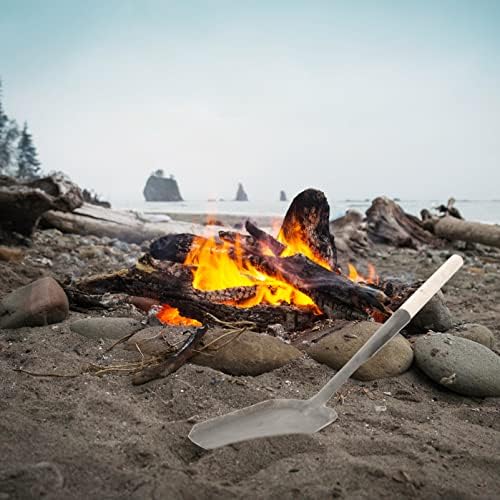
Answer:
x=474 y=210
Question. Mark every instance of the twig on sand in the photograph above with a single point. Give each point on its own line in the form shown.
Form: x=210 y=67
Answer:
x=173 y=363
x=57 y=375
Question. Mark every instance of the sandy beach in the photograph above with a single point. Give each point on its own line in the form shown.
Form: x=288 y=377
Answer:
x=83 y=436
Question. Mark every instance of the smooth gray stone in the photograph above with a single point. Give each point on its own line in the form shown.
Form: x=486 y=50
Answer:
x=459 y=364
x=337 y=348
x=248 y=353
x=106 y=328
x=434 y=316
x=476 y=332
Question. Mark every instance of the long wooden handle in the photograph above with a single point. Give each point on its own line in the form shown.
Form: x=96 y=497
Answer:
x=391 y=327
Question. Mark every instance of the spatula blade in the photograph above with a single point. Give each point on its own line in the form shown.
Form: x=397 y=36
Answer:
x=269 y=418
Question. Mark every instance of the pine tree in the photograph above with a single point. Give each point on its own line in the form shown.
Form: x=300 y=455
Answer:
x=9 y=133
x=27 y=161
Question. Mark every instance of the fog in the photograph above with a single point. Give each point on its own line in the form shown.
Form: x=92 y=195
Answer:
x=356 y=98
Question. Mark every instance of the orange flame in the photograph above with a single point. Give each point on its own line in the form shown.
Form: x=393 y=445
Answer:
x=372 y=278
x=171 y=316
x=220 y=264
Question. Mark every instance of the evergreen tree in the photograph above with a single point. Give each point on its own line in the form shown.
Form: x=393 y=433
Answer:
x=27 y=161
x=8 y=136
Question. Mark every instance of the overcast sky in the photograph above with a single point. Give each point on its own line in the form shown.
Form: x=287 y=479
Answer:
x=358 y=98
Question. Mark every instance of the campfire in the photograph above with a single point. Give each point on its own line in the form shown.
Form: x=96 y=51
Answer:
x=293 y=279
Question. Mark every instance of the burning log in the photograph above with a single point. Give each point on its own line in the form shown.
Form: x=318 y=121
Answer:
x=292 y=279
x=171 y=284
x=388 y=223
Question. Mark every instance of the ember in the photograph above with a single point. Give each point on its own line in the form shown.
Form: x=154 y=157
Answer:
x=171 y=316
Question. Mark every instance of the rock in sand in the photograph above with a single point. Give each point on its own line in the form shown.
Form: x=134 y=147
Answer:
x=106 y=328
x=40 y=303
x=434 y=316
x=476 y=332
x=248 y=354
x=459 y=364
x=338 y=347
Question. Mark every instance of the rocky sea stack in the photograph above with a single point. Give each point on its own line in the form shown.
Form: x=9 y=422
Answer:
x=160 y=188
x=241 y=195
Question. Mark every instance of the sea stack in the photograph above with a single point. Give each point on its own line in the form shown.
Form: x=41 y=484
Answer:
x=282 y=196
x=160 y=188
x=240 y=194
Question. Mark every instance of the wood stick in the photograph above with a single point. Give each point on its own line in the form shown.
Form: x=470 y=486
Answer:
x=173 y=363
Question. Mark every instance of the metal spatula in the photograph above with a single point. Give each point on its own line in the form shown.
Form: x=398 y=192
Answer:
x=295 y=416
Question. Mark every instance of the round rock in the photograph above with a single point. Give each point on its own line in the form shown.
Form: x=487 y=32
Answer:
x=106 y=328
x=434 y=316
x=476 y=332
x=248 y=353
x=339 y=347
x=40 y=303
x=459 y=364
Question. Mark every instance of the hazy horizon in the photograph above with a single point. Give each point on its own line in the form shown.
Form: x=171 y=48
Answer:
x=359 y=99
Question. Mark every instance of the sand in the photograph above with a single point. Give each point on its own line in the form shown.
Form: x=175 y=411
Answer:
x=102 y=437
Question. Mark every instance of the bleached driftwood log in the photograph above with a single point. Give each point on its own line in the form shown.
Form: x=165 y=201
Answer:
x=451 y=228
x=124 y=225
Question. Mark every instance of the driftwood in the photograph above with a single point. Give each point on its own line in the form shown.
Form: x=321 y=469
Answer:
x=388 y=223
x=306 y=222
x=162 y=276
x=172 y=363
x=451 y=228
x=23 y=203
x=171 y=284
x=351 y=238
x=124 y=225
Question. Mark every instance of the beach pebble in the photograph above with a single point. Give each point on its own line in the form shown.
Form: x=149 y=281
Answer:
x=106 y=328
x=459 y=364
x=248 y=354
x=40 y=303
x=434 y=316
x=338 y=347
x=476 y=332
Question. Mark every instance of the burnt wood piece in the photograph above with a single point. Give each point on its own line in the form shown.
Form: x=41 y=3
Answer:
x=172 y=363
x=265 y=239
x=173 y=247
x=145 y=280
x=335 y=295
x=328 y=289
x=23 y=203
x=308 y=218
x=388 y=223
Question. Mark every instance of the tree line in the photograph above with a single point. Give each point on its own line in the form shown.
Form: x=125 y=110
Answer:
x=18 y=155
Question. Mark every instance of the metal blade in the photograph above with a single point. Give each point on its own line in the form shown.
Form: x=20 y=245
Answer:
x=269 y=418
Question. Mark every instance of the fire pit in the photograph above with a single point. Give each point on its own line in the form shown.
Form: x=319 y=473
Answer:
x=293 y=280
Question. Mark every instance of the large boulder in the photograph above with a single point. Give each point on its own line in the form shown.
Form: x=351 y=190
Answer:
x=40 y=303
x=337 y=348
x=159 y=188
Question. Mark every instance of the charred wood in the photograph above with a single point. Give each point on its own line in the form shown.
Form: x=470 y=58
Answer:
x=309 y=215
